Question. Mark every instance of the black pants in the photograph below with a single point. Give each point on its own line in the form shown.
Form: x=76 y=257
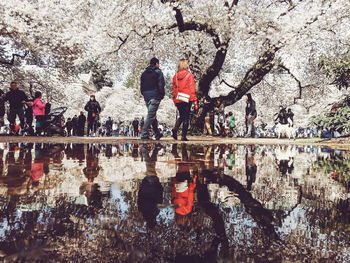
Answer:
x=12 y=116
x=92 y=125
x=136 y=131
x=184 y=109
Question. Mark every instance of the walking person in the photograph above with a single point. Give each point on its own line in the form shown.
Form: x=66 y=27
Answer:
x=250 y=116
x=152 y=89
x=184 y=93
x=16 y=98
x=93 y=108
x=38 y=107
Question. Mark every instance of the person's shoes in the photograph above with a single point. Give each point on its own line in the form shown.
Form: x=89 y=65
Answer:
x=184 y=139
x=145 y=138
x=159 y=136
x=174 y=134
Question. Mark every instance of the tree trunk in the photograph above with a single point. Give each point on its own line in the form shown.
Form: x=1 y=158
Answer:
x=255 y=74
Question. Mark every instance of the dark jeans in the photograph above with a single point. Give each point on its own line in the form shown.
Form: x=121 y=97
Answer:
x=12 y=116
x=151 y=119
x=136 y=131
x=184 y=119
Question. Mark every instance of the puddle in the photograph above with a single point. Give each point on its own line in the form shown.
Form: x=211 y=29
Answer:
x=173 y=203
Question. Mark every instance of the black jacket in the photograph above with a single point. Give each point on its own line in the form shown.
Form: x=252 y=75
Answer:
x=81 y=120
x=135 y=123
x=282 y=117
x=92 y=106
x=152 y=83
x=15 y=98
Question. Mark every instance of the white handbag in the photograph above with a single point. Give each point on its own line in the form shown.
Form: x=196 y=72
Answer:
x=183 y=97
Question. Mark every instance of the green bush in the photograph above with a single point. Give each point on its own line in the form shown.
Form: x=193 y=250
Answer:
x=336 y=120
x=337 y=69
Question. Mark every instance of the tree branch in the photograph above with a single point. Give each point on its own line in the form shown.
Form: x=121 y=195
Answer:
x=230 y=6
x=255 y=74
x=297 y=80
x=12 y=61
x=188 y=26
x=231 y=86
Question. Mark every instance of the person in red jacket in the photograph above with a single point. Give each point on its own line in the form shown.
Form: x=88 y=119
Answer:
x=184 y=93
x=38 y=106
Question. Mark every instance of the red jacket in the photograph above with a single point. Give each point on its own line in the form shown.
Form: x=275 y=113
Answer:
x=184 y=201
x=38 y=107
x=183 y=81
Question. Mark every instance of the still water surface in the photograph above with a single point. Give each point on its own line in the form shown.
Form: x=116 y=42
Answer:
x=173 y=203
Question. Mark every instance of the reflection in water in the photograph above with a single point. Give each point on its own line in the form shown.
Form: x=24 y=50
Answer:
x=151 y=191
x=173 y=203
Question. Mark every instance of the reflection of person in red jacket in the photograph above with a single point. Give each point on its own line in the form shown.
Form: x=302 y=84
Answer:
x=182 y=193
x=184 y=93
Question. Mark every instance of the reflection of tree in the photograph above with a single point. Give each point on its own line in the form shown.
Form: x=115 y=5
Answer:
x=335 y=219
x=263 y=217
x=218 y=223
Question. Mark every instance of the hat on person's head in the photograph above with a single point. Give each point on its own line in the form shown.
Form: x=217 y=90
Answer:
x=154 y=61
x=92 y=95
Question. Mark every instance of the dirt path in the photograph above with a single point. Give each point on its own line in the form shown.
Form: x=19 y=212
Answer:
x=193 y=140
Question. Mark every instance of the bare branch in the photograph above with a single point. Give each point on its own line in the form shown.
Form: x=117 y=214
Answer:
x=255 y=74
x=12 y=61
x=297 y=80
x=188 y=26
x=231 y=86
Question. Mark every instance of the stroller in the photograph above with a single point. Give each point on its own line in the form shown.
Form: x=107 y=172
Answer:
x=54 y=122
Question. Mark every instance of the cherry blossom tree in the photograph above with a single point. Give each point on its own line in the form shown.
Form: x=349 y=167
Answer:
x=233 y=44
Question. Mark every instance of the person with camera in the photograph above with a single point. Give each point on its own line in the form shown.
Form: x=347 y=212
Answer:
x=184 y=94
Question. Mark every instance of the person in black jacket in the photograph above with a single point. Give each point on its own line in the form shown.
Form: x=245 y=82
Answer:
x=135 y=125
x=282 y=116
x=290 y=118
x=152 y=89
x=69 y=126
x=81 y=124
x=250 y=116
x=109 y=124
x=93 y=108
x=16 y=98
